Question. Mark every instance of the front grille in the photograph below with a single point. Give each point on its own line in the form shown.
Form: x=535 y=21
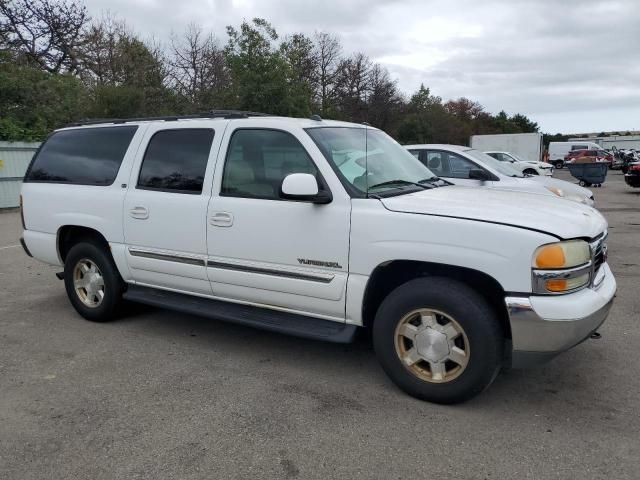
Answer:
x=599 y=252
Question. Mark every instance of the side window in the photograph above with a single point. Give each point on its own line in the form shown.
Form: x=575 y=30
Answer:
x=459 y=167
x=83 y=156
x=496 y=155
x=258 y=160
x=578 y=147
x=434 y=162
x=176 y=160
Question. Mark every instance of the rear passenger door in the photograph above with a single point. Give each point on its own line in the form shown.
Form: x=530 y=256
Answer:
x=166 y=206
x=264 y=249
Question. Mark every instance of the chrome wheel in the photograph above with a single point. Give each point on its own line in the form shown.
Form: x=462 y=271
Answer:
x=432 y=345
x=88 y=283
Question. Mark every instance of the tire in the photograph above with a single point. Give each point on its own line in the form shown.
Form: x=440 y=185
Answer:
x=86 y=299
x=559 y=164
x=530 y=171
x=481 y=340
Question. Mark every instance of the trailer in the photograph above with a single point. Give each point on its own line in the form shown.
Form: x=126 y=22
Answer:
x=527 y=146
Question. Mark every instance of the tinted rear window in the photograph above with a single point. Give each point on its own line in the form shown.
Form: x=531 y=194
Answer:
x=88 y=156
x=176 y=160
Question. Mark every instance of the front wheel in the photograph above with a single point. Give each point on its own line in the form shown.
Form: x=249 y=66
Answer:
x=92 y=281
x=530 y=171
x=438 y=340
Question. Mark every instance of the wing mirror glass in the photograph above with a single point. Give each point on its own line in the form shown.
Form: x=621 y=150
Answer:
x=478 y=174
x=304 y=187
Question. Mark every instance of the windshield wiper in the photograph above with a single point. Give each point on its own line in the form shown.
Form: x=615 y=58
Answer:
x=401 y=182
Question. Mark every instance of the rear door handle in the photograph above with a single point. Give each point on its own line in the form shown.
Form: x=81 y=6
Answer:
x=141 y=213
x=221 y=219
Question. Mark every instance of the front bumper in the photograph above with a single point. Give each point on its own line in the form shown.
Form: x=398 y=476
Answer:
x=545 y=326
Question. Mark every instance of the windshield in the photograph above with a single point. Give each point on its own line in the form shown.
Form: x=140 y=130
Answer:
x=370 y=160
x=502 y=167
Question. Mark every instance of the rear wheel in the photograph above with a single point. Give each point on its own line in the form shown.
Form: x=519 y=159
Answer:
x=438 y=340
x=558 y=164
x=92 y=281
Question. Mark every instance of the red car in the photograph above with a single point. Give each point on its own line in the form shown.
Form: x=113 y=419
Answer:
x=599 y=155
x=632 y=177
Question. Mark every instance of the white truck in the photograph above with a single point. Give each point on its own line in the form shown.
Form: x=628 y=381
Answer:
x=263 y=221
x=527 y=146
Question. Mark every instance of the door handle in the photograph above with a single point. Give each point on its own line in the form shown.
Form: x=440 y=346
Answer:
x=141 y=213
x=221 y=219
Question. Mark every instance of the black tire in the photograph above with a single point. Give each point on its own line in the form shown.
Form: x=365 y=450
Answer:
x=530 y=171
x=469 y=309
x=114 y=286
x=559 y=164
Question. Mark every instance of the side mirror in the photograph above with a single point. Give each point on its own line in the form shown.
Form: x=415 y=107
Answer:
x=303 y=187
x=478 y=174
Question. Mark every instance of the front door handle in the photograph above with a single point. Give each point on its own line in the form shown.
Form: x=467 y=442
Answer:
x=221 y=219
x=141 y=213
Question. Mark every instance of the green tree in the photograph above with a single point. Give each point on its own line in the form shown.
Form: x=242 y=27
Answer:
x=259 y=72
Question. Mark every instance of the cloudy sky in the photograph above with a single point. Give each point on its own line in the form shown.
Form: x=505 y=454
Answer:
x=570 y=65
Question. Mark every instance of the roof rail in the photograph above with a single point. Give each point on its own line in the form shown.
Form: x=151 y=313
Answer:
x=172 y=118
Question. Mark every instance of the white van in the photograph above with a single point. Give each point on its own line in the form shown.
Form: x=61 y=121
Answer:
x=558 y=150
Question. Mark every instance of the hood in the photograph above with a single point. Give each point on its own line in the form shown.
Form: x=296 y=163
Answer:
x=569 y=189
x=545 y=213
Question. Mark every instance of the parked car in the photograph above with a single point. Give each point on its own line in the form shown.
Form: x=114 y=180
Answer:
x=593 y=155
x=468 y=167
x=558 y=150
x=632 y=177
x=524 y=166
x=265 y=221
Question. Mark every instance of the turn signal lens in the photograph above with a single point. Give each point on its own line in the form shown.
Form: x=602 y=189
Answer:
x=563 y=285
x=562 y=255
x=556 y=285
x=550 y=256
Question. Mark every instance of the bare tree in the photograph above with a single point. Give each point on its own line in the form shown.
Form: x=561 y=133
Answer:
x=353 y=86
x=197 y=66
x=47 y=32
x=328 y=51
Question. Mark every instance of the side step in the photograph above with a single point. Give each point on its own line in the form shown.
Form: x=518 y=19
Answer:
x=263 y=318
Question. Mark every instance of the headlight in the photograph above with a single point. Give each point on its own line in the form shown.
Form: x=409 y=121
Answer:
x=557 y=191
x=561 y=267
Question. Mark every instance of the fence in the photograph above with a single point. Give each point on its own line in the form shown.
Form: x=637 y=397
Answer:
x=14 y=160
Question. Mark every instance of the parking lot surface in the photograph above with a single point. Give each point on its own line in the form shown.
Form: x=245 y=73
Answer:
x=163 y=395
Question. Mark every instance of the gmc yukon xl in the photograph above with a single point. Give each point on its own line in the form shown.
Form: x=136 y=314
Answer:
x=317 y=228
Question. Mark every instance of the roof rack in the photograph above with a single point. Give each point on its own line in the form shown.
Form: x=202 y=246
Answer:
x=172 y=118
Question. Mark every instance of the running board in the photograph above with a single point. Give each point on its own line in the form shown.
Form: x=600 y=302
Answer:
x=262 y=318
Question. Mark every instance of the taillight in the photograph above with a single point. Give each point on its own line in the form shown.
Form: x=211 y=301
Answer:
x=24 y=227
x=635 y=167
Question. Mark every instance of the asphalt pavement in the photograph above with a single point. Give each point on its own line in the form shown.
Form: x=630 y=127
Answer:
x=160 y=395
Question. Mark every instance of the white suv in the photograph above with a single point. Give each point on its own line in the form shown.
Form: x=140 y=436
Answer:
x=317 y=228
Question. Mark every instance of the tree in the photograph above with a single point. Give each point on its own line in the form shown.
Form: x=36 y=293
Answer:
x=48 y=33
x=34 y=102
x=258 y=71
x=198 y=69
x=353 y=82
x=327 y=51
x=298 y=51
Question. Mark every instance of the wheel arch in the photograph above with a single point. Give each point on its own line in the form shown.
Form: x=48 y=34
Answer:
x=70 y=235
x=389 y=275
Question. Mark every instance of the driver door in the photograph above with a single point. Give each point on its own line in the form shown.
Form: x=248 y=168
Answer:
x=266 y=250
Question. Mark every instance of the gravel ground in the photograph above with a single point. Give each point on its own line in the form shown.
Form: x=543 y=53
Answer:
x=161 y=395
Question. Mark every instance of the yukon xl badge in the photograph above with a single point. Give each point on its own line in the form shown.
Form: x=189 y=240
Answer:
x=318 y=263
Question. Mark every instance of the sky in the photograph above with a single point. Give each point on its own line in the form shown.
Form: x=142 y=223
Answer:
x=570 y=65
